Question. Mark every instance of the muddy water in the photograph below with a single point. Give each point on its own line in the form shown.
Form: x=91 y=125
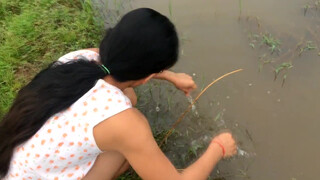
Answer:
x=277 y=125
x=276 y=122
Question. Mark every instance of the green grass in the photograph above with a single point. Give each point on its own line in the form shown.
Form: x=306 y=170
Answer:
x=34 y=33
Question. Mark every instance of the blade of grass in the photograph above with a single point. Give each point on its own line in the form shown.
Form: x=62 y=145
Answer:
x=170 y=9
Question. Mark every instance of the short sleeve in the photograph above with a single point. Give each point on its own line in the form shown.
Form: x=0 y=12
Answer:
x=80 y=54
x=104 y=101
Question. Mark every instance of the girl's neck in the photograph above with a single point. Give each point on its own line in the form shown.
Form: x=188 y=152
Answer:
x=121 y=85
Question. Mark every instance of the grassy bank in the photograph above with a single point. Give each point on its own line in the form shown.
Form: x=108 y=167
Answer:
x=34 y=33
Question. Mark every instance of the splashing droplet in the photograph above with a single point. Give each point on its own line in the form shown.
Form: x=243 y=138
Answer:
x=157 y=108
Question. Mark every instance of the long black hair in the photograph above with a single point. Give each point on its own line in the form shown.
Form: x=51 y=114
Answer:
x=142 y=43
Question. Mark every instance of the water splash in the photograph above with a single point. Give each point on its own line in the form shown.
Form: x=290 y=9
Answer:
x=193 y=108
x=245 y=154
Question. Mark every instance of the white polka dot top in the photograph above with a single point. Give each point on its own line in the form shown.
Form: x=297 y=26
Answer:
x=64 y=148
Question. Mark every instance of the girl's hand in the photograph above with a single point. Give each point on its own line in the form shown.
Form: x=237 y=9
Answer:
x=182 y=81
x=226 y=143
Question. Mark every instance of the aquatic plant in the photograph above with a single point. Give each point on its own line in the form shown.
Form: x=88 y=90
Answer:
x=170 y=9
x=240 y=8
x=271 y=42
x=305 y=9
x=308 y=47
x=193 y=150
x=253 y=39
x=311 y=6
x=281 y=67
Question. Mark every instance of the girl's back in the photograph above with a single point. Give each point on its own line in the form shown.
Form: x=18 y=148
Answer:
x=64 y=147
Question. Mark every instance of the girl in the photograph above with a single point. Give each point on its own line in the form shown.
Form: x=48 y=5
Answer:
x=75 y=119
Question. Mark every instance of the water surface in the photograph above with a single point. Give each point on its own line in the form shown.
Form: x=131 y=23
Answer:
x=275 y=121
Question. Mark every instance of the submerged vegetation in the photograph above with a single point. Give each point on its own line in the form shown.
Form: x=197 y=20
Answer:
x=309 y=45
x=284 y=48
x=271 y=42
x=265 y=39
x=240 y=8
x=312 y=7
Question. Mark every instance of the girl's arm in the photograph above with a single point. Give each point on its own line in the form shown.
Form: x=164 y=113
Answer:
x=182 y=81
x=129 y=133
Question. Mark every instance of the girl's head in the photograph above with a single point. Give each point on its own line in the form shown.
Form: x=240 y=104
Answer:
x=142 y=43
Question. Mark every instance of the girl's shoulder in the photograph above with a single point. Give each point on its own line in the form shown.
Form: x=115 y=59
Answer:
x=100 y=102
x=80 y=54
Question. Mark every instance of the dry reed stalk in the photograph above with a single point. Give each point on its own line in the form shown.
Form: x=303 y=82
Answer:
x=194 y=101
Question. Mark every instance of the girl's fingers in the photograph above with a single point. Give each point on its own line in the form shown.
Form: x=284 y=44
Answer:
x=235 y=151
x=194 y=86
